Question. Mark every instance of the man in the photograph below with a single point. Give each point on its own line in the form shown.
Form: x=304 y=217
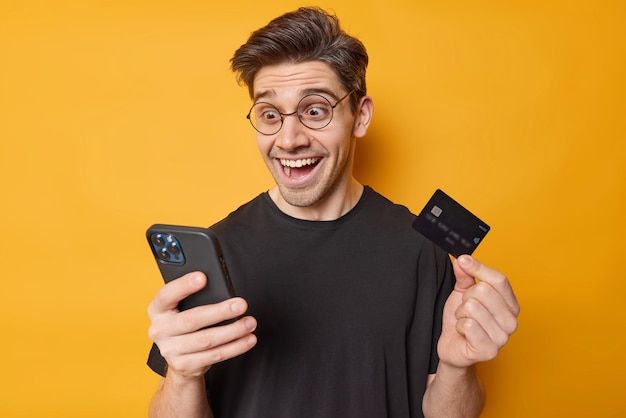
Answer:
x=341 y=303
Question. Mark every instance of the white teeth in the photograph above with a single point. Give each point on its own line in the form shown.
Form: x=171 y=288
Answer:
x=298 y=163
x=289 y=164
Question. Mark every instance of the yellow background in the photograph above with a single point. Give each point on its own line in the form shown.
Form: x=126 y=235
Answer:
x=118 y=114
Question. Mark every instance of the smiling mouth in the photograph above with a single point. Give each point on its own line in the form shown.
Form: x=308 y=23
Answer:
x=304 y=164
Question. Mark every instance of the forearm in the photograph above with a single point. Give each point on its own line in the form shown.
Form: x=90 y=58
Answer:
x=177 y=397
x=454 y=393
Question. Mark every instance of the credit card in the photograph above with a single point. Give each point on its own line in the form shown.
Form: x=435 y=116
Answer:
x=449 y=225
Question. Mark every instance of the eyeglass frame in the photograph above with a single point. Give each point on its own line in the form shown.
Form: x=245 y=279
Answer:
x=295 y=112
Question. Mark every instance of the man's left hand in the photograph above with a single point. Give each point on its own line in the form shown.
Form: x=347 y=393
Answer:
x=479 y=316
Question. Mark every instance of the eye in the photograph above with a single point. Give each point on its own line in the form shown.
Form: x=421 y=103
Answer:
x=266 y=113
x=316 y=111
x=270 y=115
x=314 y=108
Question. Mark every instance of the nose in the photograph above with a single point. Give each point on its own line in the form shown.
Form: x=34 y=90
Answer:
x=293 y=134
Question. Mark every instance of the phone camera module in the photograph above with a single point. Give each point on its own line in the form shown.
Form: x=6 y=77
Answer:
x=167 y=248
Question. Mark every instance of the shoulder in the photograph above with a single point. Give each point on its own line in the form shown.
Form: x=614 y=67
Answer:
x=247 y=213
x=397 y=220
x=385 y=210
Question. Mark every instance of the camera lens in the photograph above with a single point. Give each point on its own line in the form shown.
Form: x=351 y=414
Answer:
x=173 y=249
x=163 y=254
x=157 y=240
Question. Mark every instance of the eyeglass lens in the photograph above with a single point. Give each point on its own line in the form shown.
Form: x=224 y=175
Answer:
x=313 y=111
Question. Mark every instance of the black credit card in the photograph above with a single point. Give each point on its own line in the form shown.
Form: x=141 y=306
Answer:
x=449 y=225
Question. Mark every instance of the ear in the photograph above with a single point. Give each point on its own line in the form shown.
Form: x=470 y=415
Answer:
x=363 y=117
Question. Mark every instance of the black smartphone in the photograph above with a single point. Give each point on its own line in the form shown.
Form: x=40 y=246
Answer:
x=179 y=250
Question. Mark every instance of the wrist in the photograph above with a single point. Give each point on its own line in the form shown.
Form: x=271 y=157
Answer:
x=455 y=392
x=181 y=381
x=181 y=395
x=452 y=373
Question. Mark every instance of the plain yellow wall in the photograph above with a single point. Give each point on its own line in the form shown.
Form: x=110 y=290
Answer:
x=116 y=115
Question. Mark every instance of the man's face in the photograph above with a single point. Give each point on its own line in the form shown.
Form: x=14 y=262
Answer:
x=312 y=168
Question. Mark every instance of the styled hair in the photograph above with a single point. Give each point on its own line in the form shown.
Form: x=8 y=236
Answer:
x=306 y=34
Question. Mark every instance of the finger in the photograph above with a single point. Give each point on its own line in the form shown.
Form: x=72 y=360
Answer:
x=173 y=292
x=494 y=304
x=194 y=353
x=214 y=337
x=480 y=347
x=207 y=315
x=463 y=280
x=467 y=266
x=203 y=360
x=475 y=310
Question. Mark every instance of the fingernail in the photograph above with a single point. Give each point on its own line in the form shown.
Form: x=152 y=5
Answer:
x=196 y=280
x=251 y=340
x=250 y=324
x=237 y=306
x=465 y=260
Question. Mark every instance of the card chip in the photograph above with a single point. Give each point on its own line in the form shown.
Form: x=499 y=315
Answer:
x=436 y=210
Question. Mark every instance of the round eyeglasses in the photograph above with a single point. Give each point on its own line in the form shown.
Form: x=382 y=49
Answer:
x=314 y=111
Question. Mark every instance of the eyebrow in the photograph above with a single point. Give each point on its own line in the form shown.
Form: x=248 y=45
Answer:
x=268 y=94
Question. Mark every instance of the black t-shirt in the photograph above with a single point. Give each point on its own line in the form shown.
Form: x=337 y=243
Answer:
x=349 y=313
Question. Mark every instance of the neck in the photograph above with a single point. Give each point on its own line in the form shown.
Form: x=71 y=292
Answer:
x=330 y=208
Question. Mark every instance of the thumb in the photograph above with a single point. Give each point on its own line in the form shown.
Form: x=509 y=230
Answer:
x=462 y=266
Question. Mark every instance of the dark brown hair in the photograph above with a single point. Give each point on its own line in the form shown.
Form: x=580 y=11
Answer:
x=306 y=34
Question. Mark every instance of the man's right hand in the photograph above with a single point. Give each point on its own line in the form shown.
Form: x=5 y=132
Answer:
x=190 y=348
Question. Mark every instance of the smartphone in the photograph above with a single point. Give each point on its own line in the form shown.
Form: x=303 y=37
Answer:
x=179 y=250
